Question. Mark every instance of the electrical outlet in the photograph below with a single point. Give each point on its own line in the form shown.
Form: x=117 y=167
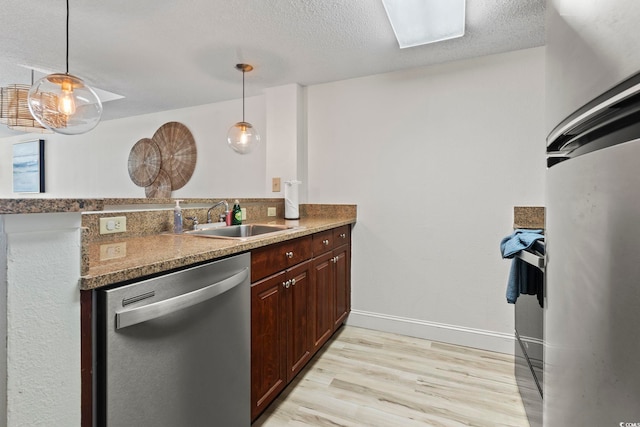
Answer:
x=113 y=224
x=271 y=211
x=244 y=213
x=113 y=250
x=275 y=185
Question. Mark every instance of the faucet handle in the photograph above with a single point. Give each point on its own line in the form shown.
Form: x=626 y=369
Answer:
x=193 y=219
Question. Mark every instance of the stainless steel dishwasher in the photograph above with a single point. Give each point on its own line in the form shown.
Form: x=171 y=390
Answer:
x=174 y=350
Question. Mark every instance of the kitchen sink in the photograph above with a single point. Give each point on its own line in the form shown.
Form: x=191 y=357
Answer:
x=241 y=232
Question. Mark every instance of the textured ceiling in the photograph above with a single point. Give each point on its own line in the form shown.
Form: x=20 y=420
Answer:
x=163 y=54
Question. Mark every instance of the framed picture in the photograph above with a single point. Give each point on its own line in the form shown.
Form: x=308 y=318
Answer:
x=28 y=167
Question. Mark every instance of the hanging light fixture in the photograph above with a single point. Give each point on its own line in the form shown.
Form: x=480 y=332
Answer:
x=14 y=109
x=242 y=137
x=63 y=102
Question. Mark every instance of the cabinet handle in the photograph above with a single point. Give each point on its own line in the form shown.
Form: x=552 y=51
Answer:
x=289 y=255
x=286 y=284
x=343 y=235
x=326 y=242
x=334 y=259
x=293 y=282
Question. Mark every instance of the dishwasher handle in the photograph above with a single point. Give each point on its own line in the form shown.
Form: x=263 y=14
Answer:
x=161 y=308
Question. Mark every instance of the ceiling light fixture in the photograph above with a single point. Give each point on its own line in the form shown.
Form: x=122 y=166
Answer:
x=242 y=137
x=65 y=95
x=14 y=109
x=418 y=22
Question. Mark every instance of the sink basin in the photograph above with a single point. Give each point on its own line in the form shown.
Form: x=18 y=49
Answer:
x=241 y=232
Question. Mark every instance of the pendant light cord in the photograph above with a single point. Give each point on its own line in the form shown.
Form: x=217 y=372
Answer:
x=67 y=57
x=242 y=93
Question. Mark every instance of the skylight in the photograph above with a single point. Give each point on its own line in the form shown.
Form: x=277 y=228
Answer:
x=418 y=22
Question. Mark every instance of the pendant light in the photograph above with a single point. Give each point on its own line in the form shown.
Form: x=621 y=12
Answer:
x=242 y=137
x=63 y=102
x=14 y=109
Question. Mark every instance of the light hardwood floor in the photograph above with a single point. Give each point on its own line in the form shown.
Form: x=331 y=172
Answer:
x=370 y=378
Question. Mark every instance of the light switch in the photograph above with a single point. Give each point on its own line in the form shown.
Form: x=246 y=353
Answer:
x=275 y=185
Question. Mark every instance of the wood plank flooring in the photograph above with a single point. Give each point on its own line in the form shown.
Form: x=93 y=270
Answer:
x=370 y=378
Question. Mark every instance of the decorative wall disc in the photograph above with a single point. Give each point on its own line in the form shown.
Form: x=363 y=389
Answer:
x=144 y=162
x=178 y=149
x=160 y=188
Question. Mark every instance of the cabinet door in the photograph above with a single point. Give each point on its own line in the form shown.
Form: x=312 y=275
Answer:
x=297 y=315
x=342 y=287
x=268 y=341
x=322 y=300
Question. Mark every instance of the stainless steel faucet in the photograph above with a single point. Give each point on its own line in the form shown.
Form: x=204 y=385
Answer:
x=223 y=216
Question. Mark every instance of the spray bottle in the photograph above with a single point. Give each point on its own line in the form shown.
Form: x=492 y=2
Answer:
x=177 y=218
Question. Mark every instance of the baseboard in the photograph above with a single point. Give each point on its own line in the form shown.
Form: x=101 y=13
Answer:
x=452 y=334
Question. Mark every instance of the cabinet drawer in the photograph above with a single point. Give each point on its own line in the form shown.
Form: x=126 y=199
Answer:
x=270 y=259
x=322 y=242
x=341 y=235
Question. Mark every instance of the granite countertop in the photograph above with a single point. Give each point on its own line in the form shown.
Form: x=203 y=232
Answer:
x=531 y=217
x=137 y=257
x=30 y=206
x=108 y=260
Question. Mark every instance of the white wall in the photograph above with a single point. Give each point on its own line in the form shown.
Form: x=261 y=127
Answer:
x=286 y=127
x=3 y=322
x=435 y=158
x=95 y=164
x=42 y=271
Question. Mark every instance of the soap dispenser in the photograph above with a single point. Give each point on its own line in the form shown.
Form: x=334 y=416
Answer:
x=177 y=218
x=236 y=214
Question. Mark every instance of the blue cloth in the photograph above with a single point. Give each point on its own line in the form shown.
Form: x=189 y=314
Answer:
x=523 y=278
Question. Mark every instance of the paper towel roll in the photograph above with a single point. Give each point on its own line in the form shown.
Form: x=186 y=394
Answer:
x=291 y=210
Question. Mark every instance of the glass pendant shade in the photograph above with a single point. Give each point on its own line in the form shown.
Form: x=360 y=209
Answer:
x=242 y=137
x=64 y=104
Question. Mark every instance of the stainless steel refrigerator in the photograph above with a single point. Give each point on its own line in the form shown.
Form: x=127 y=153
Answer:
x=592 y=294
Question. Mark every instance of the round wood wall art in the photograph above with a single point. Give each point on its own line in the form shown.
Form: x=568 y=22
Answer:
x=160 y=188
x=144 y=162
x=178 y=149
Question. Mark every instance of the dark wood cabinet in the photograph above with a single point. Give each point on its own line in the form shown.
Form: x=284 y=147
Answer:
x=280 y=335
x=268 y=343
x=296 y=313
x=278 y=257
x=331 y=283
x=322 y=297
x=297 y=302
x=342 y=285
